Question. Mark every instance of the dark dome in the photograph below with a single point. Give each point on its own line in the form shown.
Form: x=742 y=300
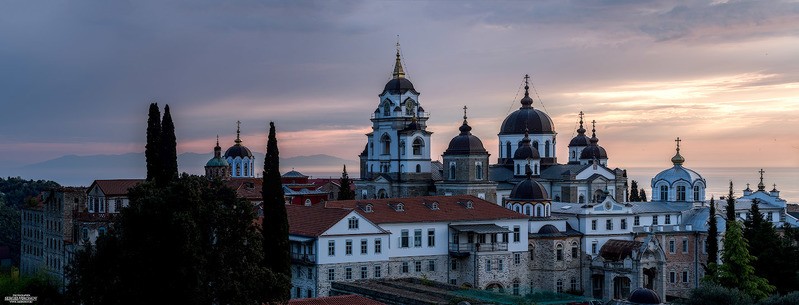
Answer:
x=465 y=143
x=238 y=150
x=594 y=152
x=644 y=296
x=580 y=140
x=548 y=229
x=526 y=152
x=527 y=117
x=529 y=190
x=399 y=85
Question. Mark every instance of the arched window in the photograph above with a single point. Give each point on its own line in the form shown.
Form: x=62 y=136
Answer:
x=518 y=169
x=535 y=170
x=535 y=145
x=572 y=154
x=371 y=168
x=101 y=231
x=575 y=250
x=528 y=211
x=409 y=107
x=696 y=193
x=417 y=146
x=452 y=171
x=402 y=168
x=402 y=147
x=539 y=211
x=680 y=193
x=386 y=108
x=546 y=149
x=546 y=211
x=517 y=208
x=559 y=286
x=664 y=193
x=507 y=150
x=386 y=140
x=418 y=168
x=308 y=202
x=246 y=169
x=581 y=199
x=478 y=171
x=559 y=252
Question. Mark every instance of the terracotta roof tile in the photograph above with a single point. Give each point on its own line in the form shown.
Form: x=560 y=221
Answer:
x=350 y=299
x=616 y=250
x=313 y=220
x=418 y=209
x=116 y=187
x=247 y=188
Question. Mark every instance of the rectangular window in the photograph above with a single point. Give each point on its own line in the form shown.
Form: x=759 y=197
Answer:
x=654 y=220
x=667 y=219
x=404 y=239
x=417 y=238
x=378 y=246
x=593 y=225
x=331 y=274
x=515 y=288
x=517 y=258
x=364 y=272
x=517 y=236
x=593 y=248
x=348 y=247
x=500 y=264
x=672 y=277
x=453 y=264
x=417 y=266
x=685 y=276
x=623 y=224
x=331 y=248
x=404 y=267
x=637 y=221
x=609 y=224
x=348 y=273
x=378 y=272
x=101 y=205
x=671 y=246
x=574 y=250
x=353 y=223
x=364 y=246
x=488 y=265
x=431 y=265
x=431 y=237
x=684 y=245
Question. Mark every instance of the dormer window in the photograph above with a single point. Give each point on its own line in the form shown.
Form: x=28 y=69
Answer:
x=400 y=207
x=467 y=204
x=368 y=208
x=434 y=206
x=353 y=223
x=307 y=202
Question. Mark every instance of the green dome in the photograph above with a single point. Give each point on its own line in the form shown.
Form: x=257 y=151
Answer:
x=217 y=162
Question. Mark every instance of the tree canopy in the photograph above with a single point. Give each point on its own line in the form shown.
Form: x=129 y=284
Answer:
x=345 y=186
x=275 y=222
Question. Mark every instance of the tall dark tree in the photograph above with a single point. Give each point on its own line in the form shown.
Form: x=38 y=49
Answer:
x=712 y=241
x=169 y=154
x=642 y=195
x=730 y=209
x=153 y=148
x=275 y=225
x=345 y=186
x=634 y=195
x=736 y=270
x=776 y=261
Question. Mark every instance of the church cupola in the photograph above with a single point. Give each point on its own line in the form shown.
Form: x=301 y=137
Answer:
x=578 y=143
x=529 y=197
x=466 y=166
x=678 y=183
x=524 y=156
x=240 y=158
x=593 y=151
x=538 y=124
x=217 y=166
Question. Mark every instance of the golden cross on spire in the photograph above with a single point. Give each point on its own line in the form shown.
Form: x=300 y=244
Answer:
x=581 y=116
x=678 y=143
x=464 y=111
x=238 y=132
x=761 y=186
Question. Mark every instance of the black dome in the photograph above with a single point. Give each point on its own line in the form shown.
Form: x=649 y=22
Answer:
x=525 y=151
x=527 y=117
x=399 y=85
x=580 y=140
x=238 y=150
x=529 y=190
x=465 y=143
x=644 y=296
x=594 y=152
x=548 y=229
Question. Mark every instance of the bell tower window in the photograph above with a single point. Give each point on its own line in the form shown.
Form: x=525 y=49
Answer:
x=680 y=193
x=386 y=140
x=386 y=108
x=507 y=150
x=546 y=149
x=452 y=171
x=417 y=146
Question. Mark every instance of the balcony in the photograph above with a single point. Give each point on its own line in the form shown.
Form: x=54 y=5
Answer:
x=303 y=258
x=463 y=249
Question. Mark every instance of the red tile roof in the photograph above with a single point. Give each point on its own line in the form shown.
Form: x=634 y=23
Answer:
x=116 y=187
x=247 y=188
x=313 y=220
x=350 y=299
x=418 y=209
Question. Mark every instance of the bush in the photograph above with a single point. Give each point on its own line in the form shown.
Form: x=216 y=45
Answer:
x=788 y=299
x=712 y=294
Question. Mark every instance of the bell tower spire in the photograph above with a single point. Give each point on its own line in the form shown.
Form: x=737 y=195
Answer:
x=398 y=71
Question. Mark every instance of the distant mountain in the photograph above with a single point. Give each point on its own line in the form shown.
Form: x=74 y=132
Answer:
x=75 y=170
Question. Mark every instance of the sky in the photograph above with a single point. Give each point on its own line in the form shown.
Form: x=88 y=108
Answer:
x=78 y=76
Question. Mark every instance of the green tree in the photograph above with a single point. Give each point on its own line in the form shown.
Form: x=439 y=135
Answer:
x=634 y=195
x=788 y=299
x=781 y=267
x=275 y=227
x=712 y=242
x=153 y=147
x=730 y=209
x=10 y=228
x=168 y=153
x=642 y=196
x=345 y=187
x=737 y=270
x=714 y=294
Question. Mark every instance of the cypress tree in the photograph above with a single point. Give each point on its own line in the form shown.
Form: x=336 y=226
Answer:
x=153 y=147
x=776 y=259
x=642 y=196
x=275 y=225
x=730 y=210
x=634 y=196
x=169 y=155
x=712 y=241
x=737 y=270
x=344 y=191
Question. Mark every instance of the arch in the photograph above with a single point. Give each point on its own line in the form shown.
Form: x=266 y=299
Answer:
x=507 y=150
x=517 y=208
x=418 y=168
x=621 y=287
x=599 y=195
x=386 y=107
x=581 y=199
x=409 y=106
x=452 y=171
x=478 y=171
x=495 y=287
x=546 y=149
x=308 y=202
x=572 y=157
x=516 y=284
x=539 y=210
x=528 y=209
x=546 y=210
x=402 y=168
x=664 y=192
x=382 y=194
x=697 y=192
x=386 y=140
x=418 y=144
x=559 y=252
x=535 y=169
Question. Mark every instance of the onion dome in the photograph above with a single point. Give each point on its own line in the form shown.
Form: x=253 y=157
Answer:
x=594 y=151
x=238 y=150
x=644 y=296
x=526 y=151
x=548 y=229
x=580 y=139
x=465 y=143
x=677 y=172
x=398 y=83
x=761 y=186
x=217 y=160
x=529 y=189
x=527 y=117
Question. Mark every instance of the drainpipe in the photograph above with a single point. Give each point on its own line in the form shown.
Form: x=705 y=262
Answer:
x=696 y=259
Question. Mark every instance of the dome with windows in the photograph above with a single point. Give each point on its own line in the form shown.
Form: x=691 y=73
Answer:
x=529 y=190
x=465 y=143
x=678 y=183
x=526 y=151
x=527 y=118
